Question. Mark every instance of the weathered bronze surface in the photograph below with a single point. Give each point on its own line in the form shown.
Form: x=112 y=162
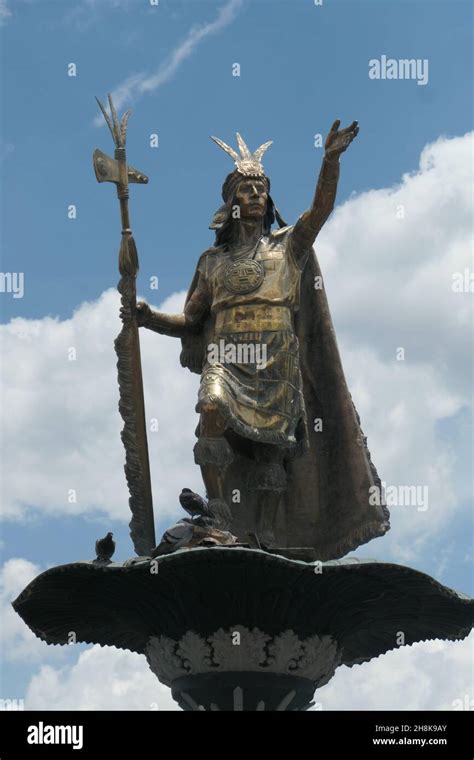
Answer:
x=296 y=619
x=256 y=326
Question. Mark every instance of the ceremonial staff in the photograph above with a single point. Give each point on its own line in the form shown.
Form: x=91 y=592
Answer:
x=127 y=343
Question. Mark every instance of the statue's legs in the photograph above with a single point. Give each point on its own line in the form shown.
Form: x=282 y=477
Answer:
x=265 y=474
x=212 y=451
x=268 y=478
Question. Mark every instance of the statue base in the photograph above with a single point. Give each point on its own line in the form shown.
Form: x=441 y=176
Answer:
x=239 y=691
x=230 y=628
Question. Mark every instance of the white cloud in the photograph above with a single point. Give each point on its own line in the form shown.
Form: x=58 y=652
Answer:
x=139 y=84
x=400 y=405
x=434 y=675
x=17 y=642
x=393 y=276
x=61 y=421
x=389 y=284
x=5 y=12
x=101 y=679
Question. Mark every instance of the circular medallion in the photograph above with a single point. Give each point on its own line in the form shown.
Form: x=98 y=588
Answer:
x=244 y=276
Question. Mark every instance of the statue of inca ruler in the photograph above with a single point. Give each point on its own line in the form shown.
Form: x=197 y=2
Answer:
x=279 y=439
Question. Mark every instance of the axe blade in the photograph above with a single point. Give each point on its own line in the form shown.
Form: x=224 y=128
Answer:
x=107 y=170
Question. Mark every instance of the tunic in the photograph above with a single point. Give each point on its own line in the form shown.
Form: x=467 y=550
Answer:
x=252 y=370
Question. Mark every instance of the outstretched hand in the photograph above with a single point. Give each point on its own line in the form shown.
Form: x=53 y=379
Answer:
x=338 y=140
x=141 y=312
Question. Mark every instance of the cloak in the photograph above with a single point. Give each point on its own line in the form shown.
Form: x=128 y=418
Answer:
x=329 y=503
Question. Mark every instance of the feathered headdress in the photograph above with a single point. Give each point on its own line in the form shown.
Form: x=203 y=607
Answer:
x=249 y=164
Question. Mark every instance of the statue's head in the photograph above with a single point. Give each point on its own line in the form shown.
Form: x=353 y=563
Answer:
x=245 y=192
x=251 y=197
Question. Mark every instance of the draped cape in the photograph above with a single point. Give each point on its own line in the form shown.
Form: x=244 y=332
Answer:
x=333 y=501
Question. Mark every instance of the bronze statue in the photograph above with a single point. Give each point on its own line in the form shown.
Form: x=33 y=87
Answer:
x=286 y=469
x=279 y=440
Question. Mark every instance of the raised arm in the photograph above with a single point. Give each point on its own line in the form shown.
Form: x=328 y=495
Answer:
x=310 y=222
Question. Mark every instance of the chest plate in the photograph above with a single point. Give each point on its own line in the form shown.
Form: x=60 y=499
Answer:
x=244 y=276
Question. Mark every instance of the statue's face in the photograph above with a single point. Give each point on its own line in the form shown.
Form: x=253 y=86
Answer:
x=251 y=197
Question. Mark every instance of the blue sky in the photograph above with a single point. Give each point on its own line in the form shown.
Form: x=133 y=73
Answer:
x=302 y=66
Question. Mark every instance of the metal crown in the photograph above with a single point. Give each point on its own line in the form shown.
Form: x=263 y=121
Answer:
x=247 y=163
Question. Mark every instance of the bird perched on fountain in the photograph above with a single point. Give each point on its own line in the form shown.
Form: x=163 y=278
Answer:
x=207 y=514
x=176 y=537
x=104 y=548
x=195 y=505
x=207 y=525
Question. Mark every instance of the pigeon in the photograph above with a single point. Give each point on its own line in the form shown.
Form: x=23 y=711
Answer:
x=188 y=531
x=177 y=536
x=104 y=548
x=194 y=504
